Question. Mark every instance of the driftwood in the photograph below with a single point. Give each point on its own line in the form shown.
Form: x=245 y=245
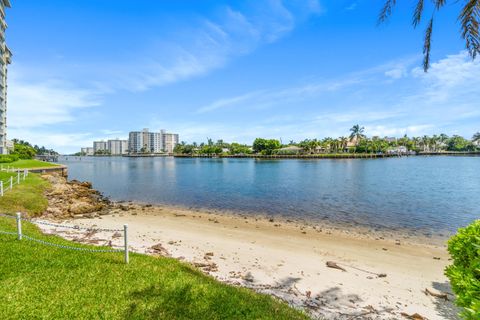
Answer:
x=414 y=316
x=435 y=294
x=334 y=265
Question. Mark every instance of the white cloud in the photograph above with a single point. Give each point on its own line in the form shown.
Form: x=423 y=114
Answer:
x=396 y=73
x=45 y=103
x=212 y=43
x=266 y=98
x=413 y=130
x=352 y=6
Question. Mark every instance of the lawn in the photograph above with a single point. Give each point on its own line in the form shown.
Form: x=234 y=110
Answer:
x=29 y=164
x=27 y=197
x=43 y=282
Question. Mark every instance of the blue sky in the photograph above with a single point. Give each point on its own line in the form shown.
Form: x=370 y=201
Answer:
x=232 y=70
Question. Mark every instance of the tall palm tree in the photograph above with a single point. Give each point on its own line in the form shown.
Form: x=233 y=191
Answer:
x=476 y=138
x=469 y=18
x=357 y=134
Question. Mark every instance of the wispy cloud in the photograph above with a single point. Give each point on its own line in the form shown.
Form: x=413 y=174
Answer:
x=391 y=99
x=212 y=43
x=37 y=104
x=352 y=6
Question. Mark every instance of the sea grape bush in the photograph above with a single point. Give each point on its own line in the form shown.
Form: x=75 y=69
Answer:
x=464 y=273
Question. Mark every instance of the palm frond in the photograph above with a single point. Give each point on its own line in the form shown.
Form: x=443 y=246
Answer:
x=439 y=3
x=469 y=19
x=417 y=14
x=427 y=46
x=386 y=11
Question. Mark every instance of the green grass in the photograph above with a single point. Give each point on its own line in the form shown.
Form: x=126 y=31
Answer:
x=43 y=282
x=27 y=197
x=29 y=164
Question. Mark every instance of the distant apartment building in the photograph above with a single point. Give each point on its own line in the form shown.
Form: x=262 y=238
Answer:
x=151 y=142
x=117 y=147
x=5 y=60
x=169 y=141
x=99 y=147
x=88 y=151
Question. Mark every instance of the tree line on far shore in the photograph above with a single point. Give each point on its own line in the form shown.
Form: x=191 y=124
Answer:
x=356 y=142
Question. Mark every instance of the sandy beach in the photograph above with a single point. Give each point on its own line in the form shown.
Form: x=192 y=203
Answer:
x=374 y=275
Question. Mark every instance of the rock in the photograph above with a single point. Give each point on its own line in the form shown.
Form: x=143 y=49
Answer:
x=159 y=249
x=334 y=265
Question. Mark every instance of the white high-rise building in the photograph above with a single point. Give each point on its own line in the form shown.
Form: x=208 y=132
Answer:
x=170 y=141
x=5 y=60
x=117 y=147
x=151 y=142
x=88 y=151
x=99 y=147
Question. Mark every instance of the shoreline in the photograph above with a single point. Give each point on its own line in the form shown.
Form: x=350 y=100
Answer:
x=321 y=224
x=385 y=275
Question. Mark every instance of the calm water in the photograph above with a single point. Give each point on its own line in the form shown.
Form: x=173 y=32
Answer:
x=427 y=194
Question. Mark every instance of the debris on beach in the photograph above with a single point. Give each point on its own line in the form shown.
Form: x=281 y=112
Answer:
x=160 y=250
x=334 y=265
x=414 y=316
x=436 y=294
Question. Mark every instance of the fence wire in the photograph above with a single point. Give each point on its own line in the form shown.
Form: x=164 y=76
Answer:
x=72 y=227
x=7 y=216
x=10 y=233
x=61 y=246
x=69 y=247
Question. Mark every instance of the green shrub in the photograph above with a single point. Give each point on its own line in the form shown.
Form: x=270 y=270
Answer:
x=464 y=273
x=8 y=158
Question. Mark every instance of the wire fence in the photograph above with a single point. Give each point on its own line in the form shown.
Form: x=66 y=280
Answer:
x=14 y=179
x=20 y=235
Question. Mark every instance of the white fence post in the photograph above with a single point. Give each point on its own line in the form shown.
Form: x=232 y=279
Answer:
x=19 y=225
x=11 y=182
x=1 y=188
x=18 y=177
x=24 y=174
x=125 y=238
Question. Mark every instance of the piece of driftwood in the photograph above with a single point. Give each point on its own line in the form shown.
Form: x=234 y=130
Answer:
x=334 y=265
x=414 y=316
x=435 y=294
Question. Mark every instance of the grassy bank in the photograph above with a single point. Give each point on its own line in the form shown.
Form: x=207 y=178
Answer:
x=29 y=164
x=42 y=282
x=27 y=197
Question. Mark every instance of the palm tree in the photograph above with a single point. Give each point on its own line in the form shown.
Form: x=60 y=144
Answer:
x=356 y=133
x=476 y=137
x=343 y=143
x=426 y=143
x=469 y=18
